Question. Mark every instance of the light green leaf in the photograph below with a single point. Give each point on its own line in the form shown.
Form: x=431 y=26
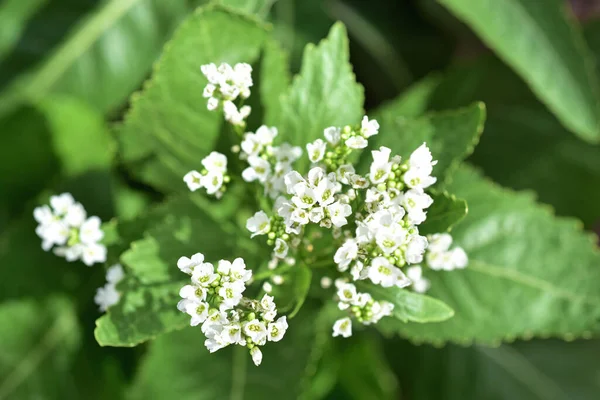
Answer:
x=151 y=291
x=105 y=58
x=451 y=135
x=445 y=212
x=519 y=371
x=325 y=93
x=412 y=103
x=168 y=129
x=408 y=306
x=547 y=49
x=529 y=273
x=178 y=366
x=38 y=342
x=14 y=15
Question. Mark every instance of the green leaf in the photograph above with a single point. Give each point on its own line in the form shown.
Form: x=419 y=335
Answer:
x=168 y=129
x=14 y=15
x=151 y=291
x=529 y=274
x=178 y=366
x=531 y=36
x=520 y=371
x=412 y=103
x=38 y=342
x=451 y=135
x=105 y=58
x=274 y=82
x=524 y=146
x=445 y=212
x=301 y=278
x=260 y=8
x=325 y=93
x=365 y=372
x=408 y=306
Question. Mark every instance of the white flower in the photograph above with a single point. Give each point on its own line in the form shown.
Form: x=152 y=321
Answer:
x=382 y=272
x=251 y=144
x=232 y=334
x=259 y=224
x=325 y=191
x=90 y=231
x=369 y=128
x=346 y=254
x=326 y=282
x=256 y=331
x=342 y=327
x=115 y=274
x=419 y=283
x=415 y=201
x=187 y=265
x=267 y=287
x=344 y=172
x=233 y=115
x=212 y=104
x=259 y=169
x=215 y=162
x=415 y=249
x=214 y=343
x=338 y=213
x=265 y=135
x=332 y=134
x=61 y=203
x=347 y=293
x=231 y=294
x=92 y=253
x=281 y=248
x=276 y=330
x=43 y=215
x=193 y=180
x=380 y=167
x=193 y=293
x=304 y=197
x=356 y=142
x=286 y=154
x=316 y=214
x=422 y=158
x=417 y=178
x=459 y=257
x=358 y=271
x=204 y=274
x=198 y=311
x=76 y=215
x=439 y=242
x=380 y=309
x=106 y=296
x=238 y=270
x=256 y=355
x=212 y=182
x=389 y=239
x=316 y=150
x=267 y=303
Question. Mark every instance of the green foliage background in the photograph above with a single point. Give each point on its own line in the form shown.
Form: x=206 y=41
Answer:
x=104 y=99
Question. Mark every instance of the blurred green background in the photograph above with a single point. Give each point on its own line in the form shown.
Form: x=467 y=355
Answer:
x=67 y=71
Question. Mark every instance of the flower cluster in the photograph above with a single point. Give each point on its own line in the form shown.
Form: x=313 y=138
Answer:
x=225 y=85
x=212 y=178
x=360 y=305
x=268 y=164
x=65 y=225
x=107 y=295
x=215 y=299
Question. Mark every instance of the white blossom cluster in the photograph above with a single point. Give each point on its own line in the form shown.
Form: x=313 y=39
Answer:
x=65 y=226
x=212 y=178
x=108 y=295
x=268 y=164
x=439 y=257
x=225 y=85
x=215 y=299
x=361 y=307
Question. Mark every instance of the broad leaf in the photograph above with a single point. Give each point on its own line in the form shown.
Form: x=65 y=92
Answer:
x=412 y=103
x=547 y=49
x=451 y=135
x=38 y=342
x=179 y=366
x=444 y=213
x=524 y=146
x=151 y=290
x=408 y=306
x=14 y=15
x=106 y=57
x=324 y=94
x=169 y=129
x=535 y=370
x=529 y=274
x=274 y=81
x=301 y=280
x=260 y=8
